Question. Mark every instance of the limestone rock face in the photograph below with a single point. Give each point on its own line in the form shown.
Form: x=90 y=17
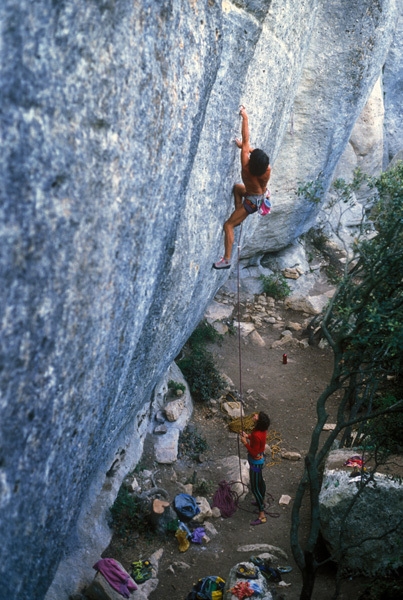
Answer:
x=393 y=85
x=116 y=176
x=346 y=52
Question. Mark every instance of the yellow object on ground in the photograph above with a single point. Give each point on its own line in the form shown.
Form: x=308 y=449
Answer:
x=182 y=538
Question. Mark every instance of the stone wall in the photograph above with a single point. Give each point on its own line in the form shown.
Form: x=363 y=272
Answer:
x=116 y=171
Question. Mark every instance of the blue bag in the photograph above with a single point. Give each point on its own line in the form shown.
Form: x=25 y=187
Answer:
x=185 y=507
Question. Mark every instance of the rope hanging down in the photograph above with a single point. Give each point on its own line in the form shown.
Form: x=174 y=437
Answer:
x=239 y=352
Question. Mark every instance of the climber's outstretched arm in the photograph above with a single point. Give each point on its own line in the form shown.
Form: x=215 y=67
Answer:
x=244 y=145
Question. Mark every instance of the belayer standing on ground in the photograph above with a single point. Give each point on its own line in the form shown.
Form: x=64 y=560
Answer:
x=248 y=196
x=255 y=444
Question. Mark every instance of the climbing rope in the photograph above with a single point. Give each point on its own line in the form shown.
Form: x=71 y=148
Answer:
x=273 y=437
x=240 y=355
x=226 y=499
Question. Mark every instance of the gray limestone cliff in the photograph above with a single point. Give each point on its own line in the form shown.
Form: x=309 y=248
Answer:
x=116 y=170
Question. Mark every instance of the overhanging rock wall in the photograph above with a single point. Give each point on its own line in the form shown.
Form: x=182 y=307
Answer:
x=116 y=170
x=346 y=53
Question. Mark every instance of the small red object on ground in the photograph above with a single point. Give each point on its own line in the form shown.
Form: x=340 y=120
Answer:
x=284 y=359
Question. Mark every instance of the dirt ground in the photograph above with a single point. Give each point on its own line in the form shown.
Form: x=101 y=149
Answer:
x=288 y=393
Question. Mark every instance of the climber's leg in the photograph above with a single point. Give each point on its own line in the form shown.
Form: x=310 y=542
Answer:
x=235 y=219
x=239 y=193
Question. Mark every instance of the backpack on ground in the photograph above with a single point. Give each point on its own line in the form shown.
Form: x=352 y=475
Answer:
x=208 y=588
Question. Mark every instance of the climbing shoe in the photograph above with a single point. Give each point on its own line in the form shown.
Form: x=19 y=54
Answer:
x=141 y=570
x=246 y=572
x=223 y=263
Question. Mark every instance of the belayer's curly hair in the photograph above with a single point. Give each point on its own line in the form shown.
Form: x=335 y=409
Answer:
x=258 y=162
x=263 y=422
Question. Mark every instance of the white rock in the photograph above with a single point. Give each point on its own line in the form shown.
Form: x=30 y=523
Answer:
x=257 y=339
x=233 y=409
x=173 y=409
x=205 y=510
x=285 y=500
x=291 y=456
x=290 y=273
x=310 y=304
x=245 y=328
x=218 y=312
x=209 y=528
x=286 y=333
x=294 y=326
x=231 y=467
x=166 y=448
x=221 y=328
x=252 y=548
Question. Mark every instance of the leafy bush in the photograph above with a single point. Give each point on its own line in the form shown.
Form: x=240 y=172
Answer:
x=191 y=444
x=197 y=364
x=204 y=333
x=275 y=286
x=175 y=386
x=200 y=372
x=127 y=515
x=311 y=190
x=386 y=432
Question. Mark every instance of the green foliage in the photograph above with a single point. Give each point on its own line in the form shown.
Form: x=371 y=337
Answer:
x=203 y=488
x=311 y=190
x=198 y=365
x=363 y=324
x=127 y=516
x=367 y=313
x=345 y=191
x=175 y=386
x=318 y=239
x=275 y=286
x=386 y=431
x=386 y=588
x=191 y=444
x=203 y=334
x=200 y=372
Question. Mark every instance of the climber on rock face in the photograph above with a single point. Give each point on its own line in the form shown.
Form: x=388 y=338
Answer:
x=248 y=196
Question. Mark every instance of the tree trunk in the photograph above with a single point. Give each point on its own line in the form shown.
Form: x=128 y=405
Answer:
x=308 y=577
x=161 y=514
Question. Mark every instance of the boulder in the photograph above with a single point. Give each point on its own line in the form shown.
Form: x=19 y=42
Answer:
x=100 y=589
x=233 y=409
x=205 y=510
x=173 y=410
x=236 y=471
x=166 y=447
x=218 y=312
x=291 y=273
x=245 y=328
x=257 y=339
x=291 y=455
x=312 y=305
x=347 y=508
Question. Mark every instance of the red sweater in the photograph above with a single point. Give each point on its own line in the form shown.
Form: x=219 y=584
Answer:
x=257 y=444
